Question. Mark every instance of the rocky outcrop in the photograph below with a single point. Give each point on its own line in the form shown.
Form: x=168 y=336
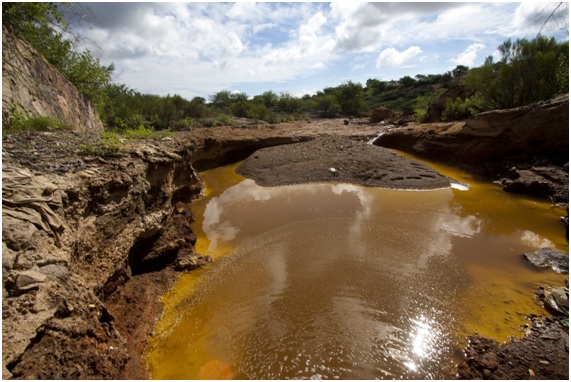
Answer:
x=539 y=181
x=492 y=143
x=32 y=86
x=339 y=160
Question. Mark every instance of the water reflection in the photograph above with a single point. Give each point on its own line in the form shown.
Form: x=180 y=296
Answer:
x=339 y=281
x=239 y=206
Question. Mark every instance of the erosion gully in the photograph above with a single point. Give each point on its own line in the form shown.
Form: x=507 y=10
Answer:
x=336 y=281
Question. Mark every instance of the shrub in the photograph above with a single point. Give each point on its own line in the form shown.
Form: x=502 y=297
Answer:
x=184 y=124
x=461 y=109
x=18 y=121
x=108 y=145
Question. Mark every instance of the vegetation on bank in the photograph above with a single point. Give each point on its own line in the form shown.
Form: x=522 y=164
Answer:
x=527 y=71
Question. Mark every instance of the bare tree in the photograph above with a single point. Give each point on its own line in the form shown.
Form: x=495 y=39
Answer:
x=558 y=13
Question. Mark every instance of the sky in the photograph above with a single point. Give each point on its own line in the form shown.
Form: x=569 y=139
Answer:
x=198 y=49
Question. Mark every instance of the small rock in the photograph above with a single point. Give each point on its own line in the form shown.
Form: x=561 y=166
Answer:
x=490 y=361
x=83 y=174
x=549 y=257
x=28 y=280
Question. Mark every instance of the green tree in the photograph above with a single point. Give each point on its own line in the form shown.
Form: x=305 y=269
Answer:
x=222 y=100
x=407 y=81
x=326 y=105
x=268 y=98
x=27 y=18
x=288 y=103
x=197 y=108
x=526 y=72
x=460 y=71
x=350 y=98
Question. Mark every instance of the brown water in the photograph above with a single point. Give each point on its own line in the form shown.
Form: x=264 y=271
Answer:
x=329 y=281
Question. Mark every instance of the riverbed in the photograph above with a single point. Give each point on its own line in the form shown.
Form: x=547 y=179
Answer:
x=337 y=281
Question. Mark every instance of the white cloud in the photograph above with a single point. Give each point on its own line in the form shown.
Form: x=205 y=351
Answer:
x=200 y=48
x=468 y=56
x=392 y=57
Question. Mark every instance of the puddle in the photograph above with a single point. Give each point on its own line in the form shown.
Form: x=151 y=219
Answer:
x=335 y=281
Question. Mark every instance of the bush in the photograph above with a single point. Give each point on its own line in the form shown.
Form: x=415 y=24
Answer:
x=19 y=121
x=461 y=109
x=140 y=132
x=108 y=145
x=184 y=124
x=527 y=72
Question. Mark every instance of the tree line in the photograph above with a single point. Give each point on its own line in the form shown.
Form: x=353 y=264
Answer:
x=527 y=71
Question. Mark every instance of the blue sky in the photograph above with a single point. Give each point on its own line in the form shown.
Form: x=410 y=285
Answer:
x=198 y=49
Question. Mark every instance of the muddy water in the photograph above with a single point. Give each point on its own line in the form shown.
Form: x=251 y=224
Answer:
x=339 y=281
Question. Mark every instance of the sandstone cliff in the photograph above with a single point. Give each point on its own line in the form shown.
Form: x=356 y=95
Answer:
x=38 y=89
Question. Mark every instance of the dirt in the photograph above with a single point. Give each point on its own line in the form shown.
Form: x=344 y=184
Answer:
x=543 y=353
x=81 y=300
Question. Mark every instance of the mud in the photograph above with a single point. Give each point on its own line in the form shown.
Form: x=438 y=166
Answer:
x=339 y=160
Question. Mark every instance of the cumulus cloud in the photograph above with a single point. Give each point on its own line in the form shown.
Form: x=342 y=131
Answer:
x=365 y=27
x=468 y=56
x=392 y=57
x=200 y=48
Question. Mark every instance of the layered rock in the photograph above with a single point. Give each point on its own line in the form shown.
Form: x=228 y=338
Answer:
x=32 y=86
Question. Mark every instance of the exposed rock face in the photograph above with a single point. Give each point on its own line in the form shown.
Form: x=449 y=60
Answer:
x=551 y=181
x=339 y=160
x=540 y=129
x=492 y=142
x=30 y=82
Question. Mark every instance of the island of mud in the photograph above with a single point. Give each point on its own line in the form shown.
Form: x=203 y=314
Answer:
x=342 y=161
